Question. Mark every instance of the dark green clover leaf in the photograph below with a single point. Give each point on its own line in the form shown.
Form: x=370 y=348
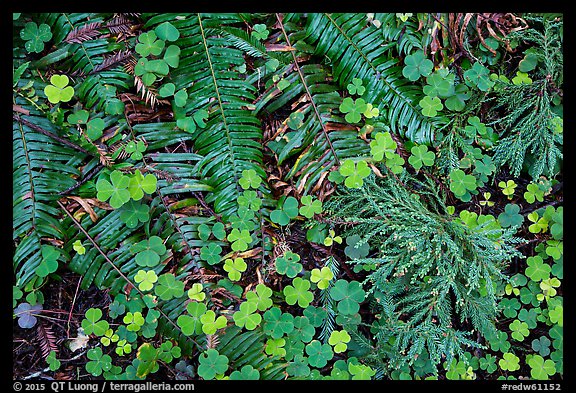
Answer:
x=211 y=253
x=239 y=239
x=249 y=199
x=276 y=323
x=355 y=173
x=94 y=128
x=247 y=316
x=510 y=217
x=172 y=59
x=348 y=295
x=180 y=98
x=169 y=287
x=288 y=211
x=58 y=90
x=528 y=63
x=316 y=315
x=542 y=345
x=157 y=67
x=421 y=156
x=488 y=363
x=260 y=32
x=510 y=307
x=295 y=120
x=243 y=219
x=53 y=363
x=191 y=324
x=79 y=117
x=439 y=85
x=167 y=90
x=288 y=265
x=353 y=109
x=271 y=65
x=355 y=251
x=148 y=44
x=460 y=182
x=246 y=373
x=212 y=364
x=417 y=65
x=303 y=330
x=117 y=191
x=168 y=352
x=318 y=354
x=35 y=36
x=430 y=106
x=167 y=32
x=98 y=362
x=478 y=76
x=298 y=367
x=134 y=212
x=356 y=87
x=148 y=251
x=457 y=102
x=49 y=264
x=114 y=106
x=529 y=316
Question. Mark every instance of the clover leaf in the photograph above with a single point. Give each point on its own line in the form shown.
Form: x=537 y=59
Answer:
x=541 y=369
x=235 y=268
x=239 y=239
x=217 y=230
x=135 y=149
x=322 y=277
x=166 y=31
x=310 y=207
x=488 y=363
x=331 y=238
x=243 y=219
x=275 y=347
x=58 y=90
x=249 y=179
x=298 y=292
x=361 y=371
x=540 y=224
x=212 y=364
x=348 y=295
x=541 y=345
x=260 y=32
x=371 y=111
x=430 y=106
x=94 y=128
x=439 y=84
x=318 y=353
x=533 y=193
x=168 y=352
x=148 y=251
x=92 y=323
x=478 y=76
x=283 y=215
x=134 y=321
x=49 y=262
x=556 y=315
x=35 y=36
x=211 y=253
x=303 y=330
x=109 y=337
x=191 y=324
x=499 y=342
x=417 y=65
x=148 y=44
x=288 y=265
x=460 y=182
x=421 y=156
x=98 y=362
x=145 y=279
x=529 y=316
x=53 y=363
x=134 y=212
x=261 y=297
x=509 y=362
x=195 y=292
x=338 y=339
x=508 y=188
x=510 y=217
x=249 y=199
x=189 y=124
x=27 y=314
x=521 y=78
x=210 y=323
x=79 y=117
x=246 y=373
x=117 y=190
x=355 y=173
x=180 y=98
x=382 y=145
x=169 y=287
x=353 y=109
x=356 y=87
x=355 y=250
x=510 y=306
x=537 y=270
x=246 y=316
x=519 y=330
x=457 y=102
x=277 y=323
x=140 y=184
x=271 y=65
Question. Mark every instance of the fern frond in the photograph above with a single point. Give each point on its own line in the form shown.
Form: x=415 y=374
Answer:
x=83 y=33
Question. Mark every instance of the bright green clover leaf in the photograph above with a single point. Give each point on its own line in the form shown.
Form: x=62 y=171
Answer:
x=348 y=295
x=249 y=199
x=318 y=354
x=521 y=78
x=195 y=292
x=53 y=363
x=58 y=90
x=276 y=323
x=355 y=250
x=310 y=207
x=92 y=323
x=261 y=297
x=169 y=287
x=355 y=173
x=246 y=316
x=134 y=212
x=211 y=253
x=508 y=188
x=168 y=352
x=353 y=109
x=438 y=85
x=331 y=238
x=235 y=268
x=275 y=347
x=244 y=219
x=135 y=149
x=149 y=45
x=430 y=106
x=246 y=373
x=457 y=102
x=35 y=36
x=298 y=292
x=537 y=269
x=109 y=338
x=148 y=251
x=166 y=31
x=360 y=371
x=145 y=279
x=210 y=323
x=283 y=215
x=478 y=76
x=94 y=128
x=371 y=111
x=541 y=369
x=98 y=362
x=191 y=324
x=421 y=156
x=288 y=265
x=249 y=179
x=117 y=191
x=541 y=345
x=322 y=277
x=395 y=163
x=519 y=330
x=49 y=264
x=510 y=217
x=356 y=87
x=382 y=145
x=134 y=321
x=540 y=224
x=533 y=193
x=489 y=203
x=556 y=315
x=509 y=362
x=417 y=65
x=338 y=339
x=139 y=184
x=239 y=239
x=460 y=182
x=555 y=249
x=260 y=32
x=211 y=364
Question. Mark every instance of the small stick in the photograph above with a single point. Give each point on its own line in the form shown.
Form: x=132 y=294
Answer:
x=72 y=307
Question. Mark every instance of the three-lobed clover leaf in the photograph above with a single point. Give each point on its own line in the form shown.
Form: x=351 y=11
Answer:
x=261 y=296
x=246 y=373
x=331 y=238
x=440 y=84
x=348 y=295
x=310 y=207
x=371 y=111
x=318 y=354
x=99 y=362
x=521 y=78
x=35 y=36
x=288 y=265
x=189 y=123
x=541 y=369
x=212 y=364
x=457 y=102
x=169 y=287
x=339 y=339
x=355 y=173
x=148 y=44
x=275 y=347
x=356 y=249
x=243 y=219
x=109 y=337
x=509 y=362
x=382 y=146
x=541 y=345
x=148 y=251
x=533 y=193
x=210 y=323
x=235 y=267
x=239 y=239
x=167 y=32
x=53 y=363
x=116 y=189
x=260 y=32
x=134 y=212
x=145 y=279
x=478 y=76
x=92 y=323
x=537 y=269
x=218 y=230
x=519 y=330
x=356 y=87
x=58 y=90
x=298 y=292
x=135 y=149
x=211 y=253
x=249 y=179
x=26 y=314
x=360 y=371
x=540 y=224
x=195 y=292
x=460 y=182
x=430 y=106
x=247 y=316
x=322 y=277
x=510 y=217
x=284 y=214
x=508 y=188
x=303 y=329
x=421 y=156
x=191 y=324
x=277 y=323
x=353 y=109
x=250 y=200
x=417 y=65
x=95 y=128
x=140 y=184
x=134 y=321
x=49 y=264
x=79 y=117
x=488 y=363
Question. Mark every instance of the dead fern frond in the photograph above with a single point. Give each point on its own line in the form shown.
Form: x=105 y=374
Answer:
x=119 y=24
x=112 y=60
x=84 y=33
x=212 y=341
x=46 y=339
